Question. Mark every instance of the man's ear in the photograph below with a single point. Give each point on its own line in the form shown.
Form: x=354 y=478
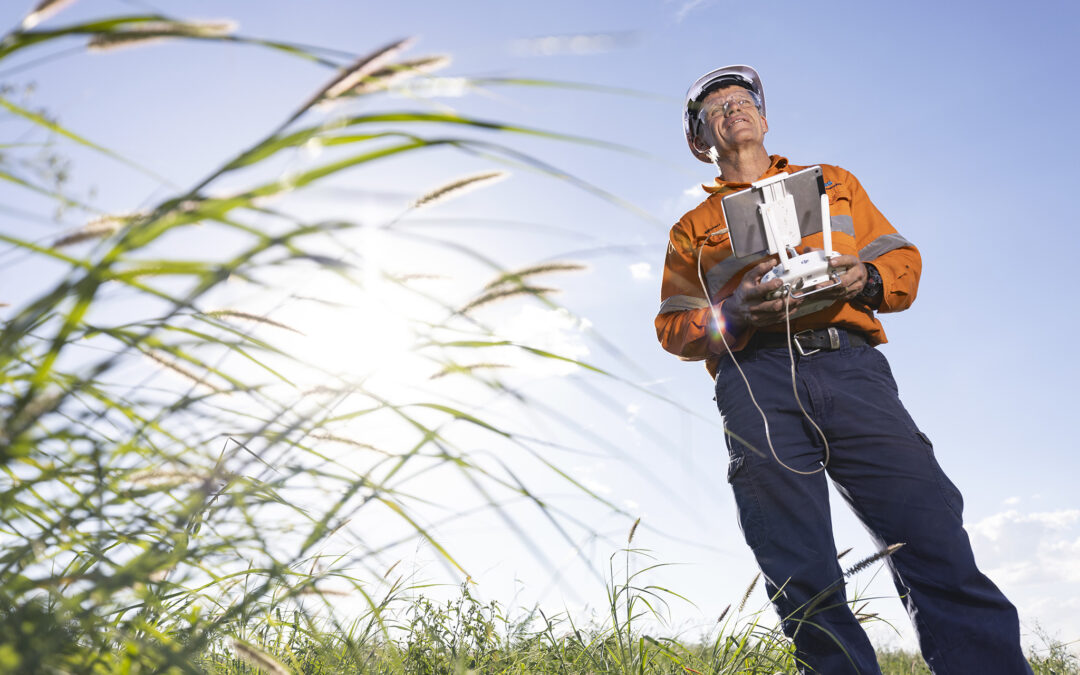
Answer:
x=764 y=125
x=700 y=144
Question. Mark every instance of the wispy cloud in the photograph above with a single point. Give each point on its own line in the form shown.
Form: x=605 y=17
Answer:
x=687 y=6
x=579 y=44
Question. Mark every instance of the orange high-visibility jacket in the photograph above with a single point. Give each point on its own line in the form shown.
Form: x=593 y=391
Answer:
x=858 y=228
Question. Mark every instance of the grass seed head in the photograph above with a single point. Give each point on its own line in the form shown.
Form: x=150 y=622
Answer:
x=361 y=69
x=390 y=75
x=519 y=276
x=43 y=10
x=247 y=316
x=256 y=657
x=749 y=590
x=459 y=187
x=502 y=294
x=466 y=369
x=633 y=529
x=150 y=31
x=98 y=228
x=867 y=562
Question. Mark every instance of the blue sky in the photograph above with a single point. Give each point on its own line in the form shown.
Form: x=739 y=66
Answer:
x=956 y=117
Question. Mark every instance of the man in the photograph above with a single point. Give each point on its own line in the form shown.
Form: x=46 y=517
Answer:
x=860 y=435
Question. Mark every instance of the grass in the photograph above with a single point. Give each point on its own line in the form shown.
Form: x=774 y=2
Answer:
x=177 y=479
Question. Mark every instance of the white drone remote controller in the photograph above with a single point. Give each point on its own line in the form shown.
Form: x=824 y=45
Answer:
x=800 y=274
x=804 y=274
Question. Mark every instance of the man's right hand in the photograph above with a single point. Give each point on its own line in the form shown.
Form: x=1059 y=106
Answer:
x=750 y=306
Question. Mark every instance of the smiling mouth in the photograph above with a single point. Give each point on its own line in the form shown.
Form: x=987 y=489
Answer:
x=737 y=119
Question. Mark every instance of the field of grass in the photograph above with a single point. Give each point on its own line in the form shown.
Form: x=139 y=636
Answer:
x=172 y=471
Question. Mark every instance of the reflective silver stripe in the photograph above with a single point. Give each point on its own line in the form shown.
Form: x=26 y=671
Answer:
x=681 y=303
x=842 y=224
x=882 y=245
x=722 y=272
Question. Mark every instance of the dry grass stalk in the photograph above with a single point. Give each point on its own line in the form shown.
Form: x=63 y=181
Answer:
x=724 y=613
x=633 y=529
x=843 y=553
x=43 y=10
x=363 y=68
x=406 y=278
x=160 y=477
x=323 y=389
x=98 y=228
x=452 y=369
x=749 y=590
x=324 y=591
x=459 y=187
x=384 y=78
x=180 y=370
x=256 y=657
x=866 y=562
x=237 y=314
x=502 y=294
x=42 y=404
x=352 y=76
x=520 y=275
x=149 y=31
x=348 y=441
x=390 y=569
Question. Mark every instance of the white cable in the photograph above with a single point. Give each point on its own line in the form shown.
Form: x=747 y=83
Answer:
x=791 y=355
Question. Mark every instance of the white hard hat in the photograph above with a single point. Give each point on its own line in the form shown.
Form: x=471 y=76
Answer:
x=743 y=76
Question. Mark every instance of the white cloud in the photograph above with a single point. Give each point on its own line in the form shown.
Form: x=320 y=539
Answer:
x=1012 y=501
x=641 y=270
x=1035 y=558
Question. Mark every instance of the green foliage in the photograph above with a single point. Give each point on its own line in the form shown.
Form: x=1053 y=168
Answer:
x=158 y=455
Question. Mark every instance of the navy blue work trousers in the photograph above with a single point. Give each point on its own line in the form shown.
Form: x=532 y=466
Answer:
x=885 y=469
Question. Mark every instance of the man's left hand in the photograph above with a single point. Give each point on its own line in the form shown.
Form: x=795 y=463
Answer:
x=852 y=275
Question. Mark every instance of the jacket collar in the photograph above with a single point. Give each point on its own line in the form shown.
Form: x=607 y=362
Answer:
x=722 y=186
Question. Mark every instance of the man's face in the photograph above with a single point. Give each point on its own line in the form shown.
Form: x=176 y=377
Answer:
x=729 y=120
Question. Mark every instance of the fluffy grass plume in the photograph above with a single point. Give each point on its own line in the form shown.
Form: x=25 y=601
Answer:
x=43 y=10
x=459 y=187
x=248 y=316
x=99 y=228
x=870 y=560
x=518 y=276
x=257 y=658
x=131 y=35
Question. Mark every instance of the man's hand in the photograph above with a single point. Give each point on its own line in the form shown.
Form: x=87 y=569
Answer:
x=750 y=306
x=852 y=275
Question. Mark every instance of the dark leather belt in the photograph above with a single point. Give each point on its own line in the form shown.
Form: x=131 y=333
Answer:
x=809 y=341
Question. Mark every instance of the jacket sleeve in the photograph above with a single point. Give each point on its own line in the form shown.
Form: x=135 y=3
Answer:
x=685 y=325
x=896 y=258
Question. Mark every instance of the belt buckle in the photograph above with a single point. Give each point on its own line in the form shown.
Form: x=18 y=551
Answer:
x=798 y=345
